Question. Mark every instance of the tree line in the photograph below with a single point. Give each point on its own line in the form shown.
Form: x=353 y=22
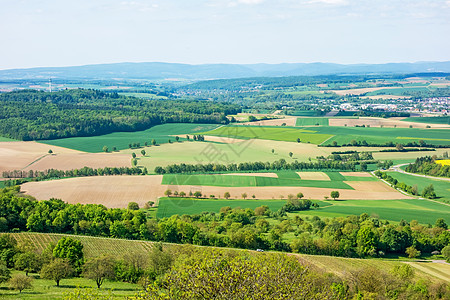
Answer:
x=428 y=192
x=427 y=165
x=257 y=166
x=352 y=236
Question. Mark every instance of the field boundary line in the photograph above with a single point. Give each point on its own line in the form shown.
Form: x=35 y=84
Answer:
x=35 y=161
x=327 y=139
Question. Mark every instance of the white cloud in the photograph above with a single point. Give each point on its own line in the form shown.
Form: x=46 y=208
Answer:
x=331 y=2
x=250 y=1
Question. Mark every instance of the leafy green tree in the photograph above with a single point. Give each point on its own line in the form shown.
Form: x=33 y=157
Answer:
x=428 y=192
x=50 y=151
x=298 y=140
x=197 y=194
x=105 y=149
x=226 y=195
x=160 y=260
x=366 y=241
x=244 y=195
x=168 y=193
x=446 y=253
x=143 y=152
x=177 y=138
x=7 y=249
x=300 y=195
x=5 y=273
x=21 y=282
x=28 y=262
x=334 y=195
x=440 y=223
x=99 y=269
x=134 y=162
x=290 y=154
x=153 y=142
x=412 y=252
x=182 y=194
x=133 y=206
x=133 y=155
x=72 y=250
x=57 y=270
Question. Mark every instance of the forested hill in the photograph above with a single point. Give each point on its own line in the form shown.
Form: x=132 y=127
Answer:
x=159 y=70
x=36 y=115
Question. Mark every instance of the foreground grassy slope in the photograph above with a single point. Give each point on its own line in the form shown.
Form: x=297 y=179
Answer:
x=337 y=265
x=121 y=140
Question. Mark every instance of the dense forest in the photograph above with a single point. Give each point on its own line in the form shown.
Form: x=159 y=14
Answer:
x=427 y=165
x=37 y=115
x=352 y=236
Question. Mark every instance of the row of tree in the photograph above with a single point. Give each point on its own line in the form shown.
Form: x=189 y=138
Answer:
x=428 y=191
x=257 y=166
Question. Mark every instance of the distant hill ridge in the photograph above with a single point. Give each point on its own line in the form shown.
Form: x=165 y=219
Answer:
x=160 y=70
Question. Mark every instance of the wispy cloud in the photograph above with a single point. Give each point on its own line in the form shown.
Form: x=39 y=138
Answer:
x=250 y=1
x=330 y=2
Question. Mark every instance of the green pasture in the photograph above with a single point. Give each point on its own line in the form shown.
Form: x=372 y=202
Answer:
x=47 y=289
x=305 y=113
x=5 y=139
x=285 y=178
x=180 y=206
x=343 y=135
x=405 y=91
x=441 y=187
x=430 y=120
x=120 y=140
x=311 y=122
x=287 y=134
x=424 y=211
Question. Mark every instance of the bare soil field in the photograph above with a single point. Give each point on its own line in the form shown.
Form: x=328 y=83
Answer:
x=71 y=161
x=385 y=97
x=111 y=191
x=378 y=122
x=313 y=176
x=358 y=174
x=361 y=90
x=274 y=122
x=18 y=155
x=118 y=191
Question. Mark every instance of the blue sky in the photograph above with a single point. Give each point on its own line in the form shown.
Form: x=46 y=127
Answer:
x=62 y=33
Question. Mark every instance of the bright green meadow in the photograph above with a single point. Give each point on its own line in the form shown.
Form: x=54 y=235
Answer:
x=121 y=140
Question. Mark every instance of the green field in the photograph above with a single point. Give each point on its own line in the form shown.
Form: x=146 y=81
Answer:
x=120 y=140
x=5 y=139
x=284 y=179
x=342 y=135
x=180 y=206
x=288 y=134
x=424 y=211
x=398 y=91
x=430 y=120
x=441 y=187
x=305 y=113
x=311 y=122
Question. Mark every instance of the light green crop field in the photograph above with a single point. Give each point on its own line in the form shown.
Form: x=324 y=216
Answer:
x=342 y=135
x=284 y=179
x=424 y=211
x=5 y=139
x=306 y=113
x=430 y=120
x=441 y=187
x=288 y=134
x=311 y=122
x=120 y=140
x=405 y=91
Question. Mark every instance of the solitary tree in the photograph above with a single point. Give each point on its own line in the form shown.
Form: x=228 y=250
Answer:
x=177 y=138
x=412 y=252
x=226 y=195
x=133 y=206
x=399 y=147
x=290 y=154
x=182 y=194
x=50 y=151
x=56 y=270
x=21 y=282
x=153 y=142
x=72 y=250
x=143 y=152
x=99 y=269
x=244 y=195
x=28 y=262
x=300 y=196
x=273 y=150
x=114 y=148
x=334 y=195
x=168 y=193
x=298 y=140
x=134 y=162
x=133 y=155
x=105 y=149
x=428 y=192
